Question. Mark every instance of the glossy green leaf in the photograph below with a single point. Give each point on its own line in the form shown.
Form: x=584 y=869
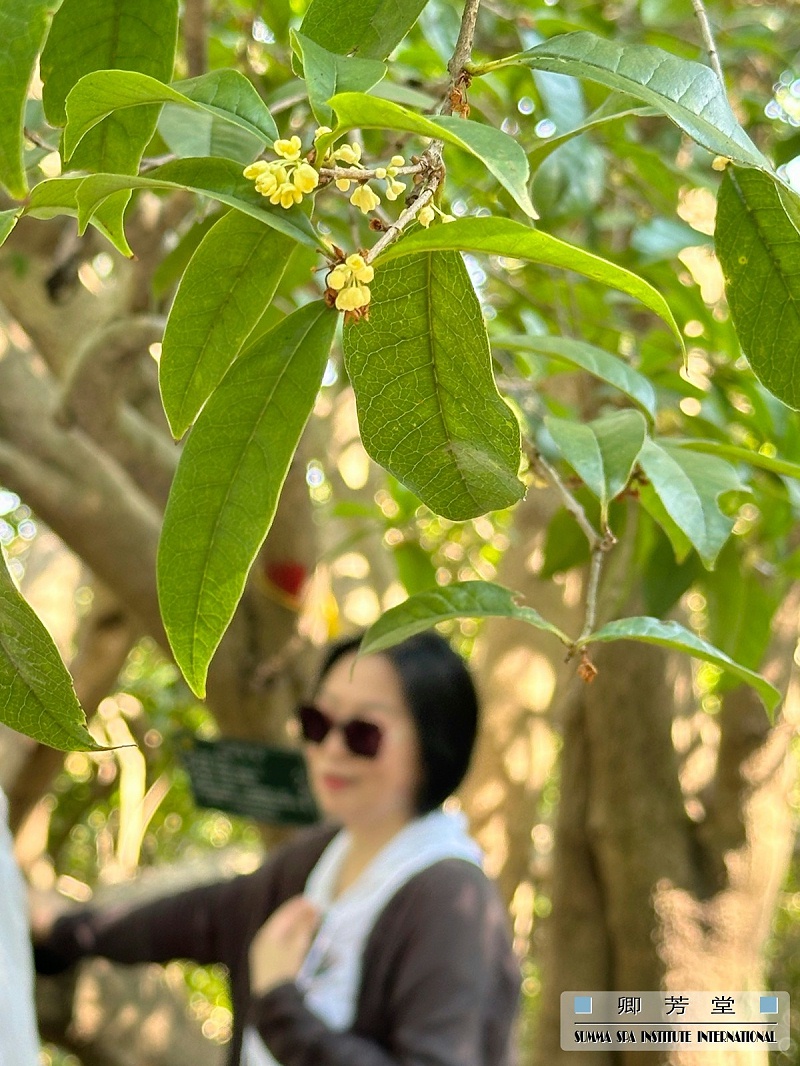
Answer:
x=198 y=133
x=229 y=281
x=758 y=247
x=596 y=361
x=8 y=220
x=88 y=35
x=689 y=486
x=736 y=454
x=221 y=179
x=503 y=236
x=689 y=93
x=499 y=153
x=327 y=73
x=23 y=26
x=462 y=599
x=36 y=692
x=223 y=96
x=602 y=452
x=428 y=406
x=229 y=478
x=59 y=197
x=677 y=637
x=369 y=29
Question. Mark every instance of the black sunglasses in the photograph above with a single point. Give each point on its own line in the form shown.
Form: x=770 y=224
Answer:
x=361 y=737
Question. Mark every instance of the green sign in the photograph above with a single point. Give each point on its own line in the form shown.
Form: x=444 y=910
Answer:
x=242 y=777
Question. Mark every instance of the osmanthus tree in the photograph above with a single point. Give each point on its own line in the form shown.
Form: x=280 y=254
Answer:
x=363 y=180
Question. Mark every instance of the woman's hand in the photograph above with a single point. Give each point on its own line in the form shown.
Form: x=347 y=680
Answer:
x=281 y=944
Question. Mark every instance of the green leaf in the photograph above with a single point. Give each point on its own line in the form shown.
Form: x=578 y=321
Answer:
x=503 y=236
x=596 y=361
x=370 y=28
x=327 y=73
x=230 y=279
x=603 y=452
x=499 y=153
x=224 y=97
x=758 y=247
x=58 y=196
x=428 y=406
x=462 y=599
x=221 y=179
x=689 y=486
x=8 y=220
x=675 y=636
x=229 y=478
x=782 y=467
x=23 y=26
x=741 y=605
x=414 y=567
x=36 y=693
x=689 y=93
x=198 y=133
x=88 y=35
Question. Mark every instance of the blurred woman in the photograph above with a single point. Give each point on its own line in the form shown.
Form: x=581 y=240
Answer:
x=374 y=939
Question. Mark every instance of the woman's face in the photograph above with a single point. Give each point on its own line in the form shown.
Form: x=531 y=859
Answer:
x=351 y=789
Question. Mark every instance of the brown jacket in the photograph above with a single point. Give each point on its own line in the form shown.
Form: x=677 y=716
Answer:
x=439 y=981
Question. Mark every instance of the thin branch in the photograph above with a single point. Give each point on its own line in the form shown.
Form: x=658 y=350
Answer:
x=403 y=220
x=570 y=502
x=431 y=165
x=362 y=174
x=463 y=50
x=598 y=557
x=708 y=38
x=195 y=37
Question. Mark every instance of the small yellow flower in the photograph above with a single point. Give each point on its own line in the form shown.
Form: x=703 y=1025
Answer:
x=320 y=131
x=290 y=150
x=394 y=189
x=269 y=181
x=339 y=277
x=305 y=178
x=289 y=194
x=343 y=184
x=352 y=297
x=349 y=153
x=426 y=216
x=720 y=162
x=360 y=270
x=255 y=170
x=365 y=198
x=380 y=172
x=397 y=161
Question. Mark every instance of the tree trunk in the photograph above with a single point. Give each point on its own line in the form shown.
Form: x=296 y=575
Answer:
x=646 y=897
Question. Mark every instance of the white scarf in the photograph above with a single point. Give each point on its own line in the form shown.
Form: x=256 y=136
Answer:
x=330 y=976
x=19 y=1044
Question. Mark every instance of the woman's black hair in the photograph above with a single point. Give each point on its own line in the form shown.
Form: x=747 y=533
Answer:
x=441 y=696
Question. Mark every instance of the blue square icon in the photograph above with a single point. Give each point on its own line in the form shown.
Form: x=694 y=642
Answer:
x=768 y=1004
x=583 y=1005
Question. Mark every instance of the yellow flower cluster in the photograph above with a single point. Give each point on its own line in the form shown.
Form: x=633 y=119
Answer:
x=286 y=180
x=364 y=196
x=350 y=281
